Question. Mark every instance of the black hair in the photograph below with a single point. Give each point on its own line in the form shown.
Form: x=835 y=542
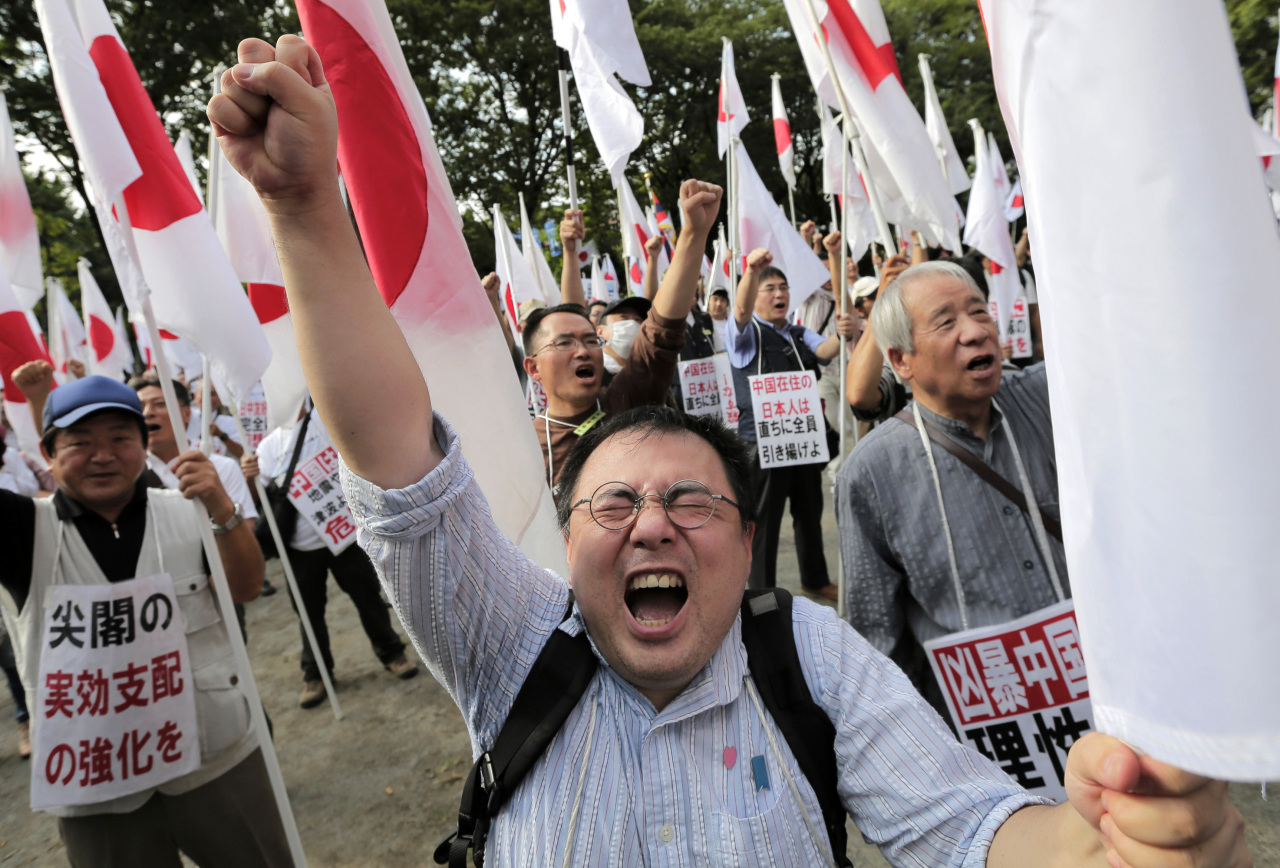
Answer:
x=147 y=380
x=597 y=301
x=734 y=454
x=770 y=271
x=720 y=292
x=972 y=263
x=531 y=325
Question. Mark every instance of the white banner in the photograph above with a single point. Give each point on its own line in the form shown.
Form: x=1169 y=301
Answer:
x=788 y=419
x=1018 y=693
x=253 y=416
x=700 y=388
x=1019 y=325
x=728 y=391
x=316 y=492
x=115 y=710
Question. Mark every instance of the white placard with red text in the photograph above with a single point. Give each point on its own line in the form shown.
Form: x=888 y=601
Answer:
x=316 y=492
x=700 y=388
x=789 y=425
x=115 y=710
x=1018 y=693
x=253 y=416
x=536 y=396
x=728 y=391
x=1019 y=326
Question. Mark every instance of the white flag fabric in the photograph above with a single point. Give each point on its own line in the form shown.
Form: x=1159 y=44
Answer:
x=1118 y=135
x=514 y=275
x=18 y=345
x=763 y=224
x=599 y=292
x=940 y=135
x=782 y=136
x=182 y=147
x=108 y=350
x=998 y=169
x=1268 y=150
x=610 y=276
x=1275 y=100
x=893 y=131
x=67 y=338
x=601 y=40
x=532 y=251
x=19 y=238
x=986 y=230
x=1014 y=205
x=731 y=108
x=862 y=220
x=719 y=277
x=636 y=231
x=195 y=293
x=412 y=232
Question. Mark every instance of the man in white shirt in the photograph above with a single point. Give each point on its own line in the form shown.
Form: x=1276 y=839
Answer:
x=312 y=562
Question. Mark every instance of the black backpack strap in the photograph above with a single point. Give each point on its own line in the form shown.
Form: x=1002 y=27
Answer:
x=775 y=668
x=551 y=691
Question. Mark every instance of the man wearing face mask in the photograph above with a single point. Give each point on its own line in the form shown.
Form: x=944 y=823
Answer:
x=564 y=352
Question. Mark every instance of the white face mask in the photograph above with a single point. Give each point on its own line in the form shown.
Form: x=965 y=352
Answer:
x=622 y=335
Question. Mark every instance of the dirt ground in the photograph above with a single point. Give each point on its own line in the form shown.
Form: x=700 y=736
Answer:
x=379 y=789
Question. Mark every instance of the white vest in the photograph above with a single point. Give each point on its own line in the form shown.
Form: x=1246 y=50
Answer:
x=171 y=543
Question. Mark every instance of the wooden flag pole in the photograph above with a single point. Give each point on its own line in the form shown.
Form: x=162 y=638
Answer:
x=218 y=573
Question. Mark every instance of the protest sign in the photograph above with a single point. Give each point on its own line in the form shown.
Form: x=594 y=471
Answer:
x=700 y=388
x=728 y=391
x=1019 y=326
x=536 y=396
x=316 y=492
x=253 y=416
x=1018 y=693
x=115 y=706
x=788 y=419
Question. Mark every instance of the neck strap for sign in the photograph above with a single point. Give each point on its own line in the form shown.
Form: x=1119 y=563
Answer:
x=760 y=346
x=1042 y=537
x=579 y=429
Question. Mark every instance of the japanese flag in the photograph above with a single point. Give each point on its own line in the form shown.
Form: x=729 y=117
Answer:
x=985 y=229
x=18 y=345
x=731 y=109
x=940 y=134
x=129 y=160
x=19 y=240
x=1122 y=130
x=782 y=136
x=514 y=275
x=67 y=338
x=109 y=354
x=1014 y=206
x=532 y=250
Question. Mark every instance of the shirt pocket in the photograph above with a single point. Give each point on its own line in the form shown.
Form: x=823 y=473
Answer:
x=745 y=841
x=222 y=711
x=196 y=602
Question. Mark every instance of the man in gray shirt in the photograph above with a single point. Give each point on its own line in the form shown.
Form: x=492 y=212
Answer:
x=929 y=547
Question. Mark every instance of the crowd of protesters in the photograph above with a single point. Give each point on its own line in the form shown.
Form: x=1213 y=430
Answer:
x=927 y=545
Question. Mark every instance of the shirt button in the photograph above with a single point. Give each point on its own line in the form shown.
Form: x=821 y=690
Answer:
x=666 y=833
x=1008 y=510
x=235 y=679
x=1029 y=565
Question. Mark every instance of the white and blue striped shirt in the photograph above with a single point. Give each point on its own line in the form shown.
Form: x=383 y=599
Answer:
x=625 y=785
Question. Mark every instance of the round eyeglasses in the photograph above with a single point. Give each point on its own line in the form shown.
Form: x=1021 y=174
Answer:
x=688 y=503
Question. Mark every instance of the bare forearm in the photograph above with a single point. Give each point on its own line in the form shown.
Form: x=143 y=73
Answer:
x=242 y=559
x=862 y=377
x=1044 y=837
x=674 y=299
x=363 y=378
x=745 y=300
x=651 y=277
x=828 y=349
x=571 y=291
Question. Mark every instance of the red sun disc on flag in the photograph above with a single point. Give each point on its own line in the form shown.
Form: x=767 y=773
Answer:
x=102 y=337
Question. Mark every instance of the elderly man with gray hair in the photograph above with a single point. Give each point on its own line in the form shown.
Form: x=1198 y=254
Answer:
x=933 y=535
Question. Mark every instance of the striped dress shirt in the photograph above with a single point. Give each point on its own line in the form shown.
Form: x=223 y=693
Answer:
x=625 y=785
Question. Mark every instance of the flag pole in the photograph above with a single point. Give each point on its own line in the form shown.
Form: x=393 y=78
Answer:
x=206 y=408
x=269 y=514
x=731 y=172
x=843 y=290
x=566 y=120
x=850 y=132
x=219 y=574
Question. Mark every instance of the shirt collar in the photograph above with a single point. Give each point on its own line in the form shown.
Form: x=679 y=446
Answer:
x=956 y=428
x=782 y=330
x=69 y=509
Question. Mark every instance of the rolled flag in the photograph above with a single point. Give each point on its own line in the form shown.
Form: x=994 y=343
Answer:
x=936 y=125
x=763 y=224
x=782 y=135
x=1014 y=207
x=1097 y=106
x=731 y=111
x=109 y=354
x=986 y=229
x=600 y=38
x=518 y=282
x=18 y=345
x=862 y=54
x=531 y=247
x=67 y=338
x=412 y=232
x=599 y=292
x=129 y=158
x=662 y=218
x=19 y=238
x=655 y=228
x=242 y=226
x=182 y=147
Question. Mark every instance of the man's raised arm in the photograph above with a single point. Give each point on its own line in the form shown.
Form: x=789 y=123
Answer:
x=679 y=290
x=278 y=126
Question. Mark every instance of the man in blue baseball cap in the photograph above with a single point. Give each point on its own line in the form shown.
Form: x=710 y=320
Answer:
x=104 y=526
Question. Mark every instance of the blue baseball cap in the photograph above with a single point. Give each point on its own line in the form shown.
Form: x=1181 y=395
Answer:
x=74 y=401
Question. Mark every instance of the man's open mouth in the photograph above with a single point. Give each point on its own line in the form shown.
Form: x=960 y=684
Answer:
x=655 y=598
x=585 y=372
x=981 y=363
x=153 y=428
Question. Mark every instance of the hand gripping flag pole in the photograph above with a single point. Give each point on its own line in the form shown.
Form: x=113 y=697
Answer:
x=211 y=200
x=851 y=134
x=218 y=571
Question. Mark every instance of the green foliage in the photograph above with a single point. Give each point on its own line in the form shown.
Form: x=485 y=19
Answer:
x=1253 y=26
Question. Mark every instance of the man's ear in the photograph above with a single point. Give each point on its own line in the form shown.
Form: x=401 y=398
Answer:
x=901 y=363
x=531 y=368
